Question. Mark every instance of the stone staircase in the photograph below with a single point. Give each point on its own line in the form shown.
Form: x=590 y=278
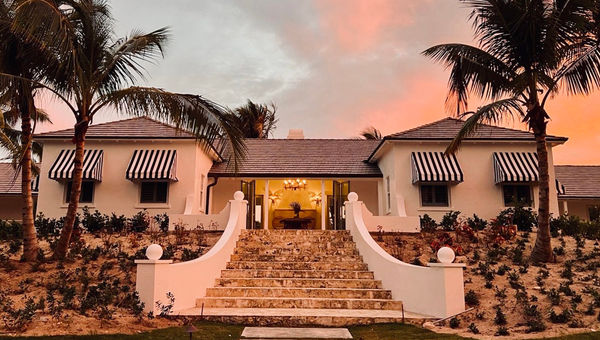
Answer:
x=299 y=277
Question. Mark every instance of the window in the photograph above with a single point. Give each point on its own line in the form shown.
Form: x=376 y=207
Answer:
x=594 y=211
x=434 y=195
x=87 y=192
x=518 y=194
x=154 y=192
x=388 y=194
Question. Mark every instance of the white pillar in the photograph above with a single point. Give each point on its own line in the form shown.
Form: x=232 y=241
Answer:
x=323 y=206
x=266 y=204
x=565 y=207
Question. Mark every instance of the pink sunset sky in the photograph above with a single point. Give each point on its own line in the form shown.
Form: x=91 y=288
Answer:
x=332 y=67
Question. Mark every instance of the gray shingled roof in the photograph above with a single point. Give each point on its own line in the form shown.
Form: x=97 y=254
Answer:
x=8 y=183
x=138 y=128
x=447 y=128
x=11 y=184
x=580 y=181
x=303 y=158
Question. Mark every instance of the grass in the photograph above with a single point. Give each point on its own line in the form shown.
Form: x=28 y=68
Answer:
x=219 y=331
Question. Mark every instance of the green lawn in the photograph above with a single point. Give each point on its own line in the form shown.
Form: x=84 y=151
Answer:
x=218 y=331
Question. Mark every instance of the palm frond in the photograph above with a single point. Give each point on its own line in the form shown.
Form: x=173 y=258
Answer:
x=582 y=74
x=122 y=63
x=371 y=133
x=493 y=113
x=192 y=113
x=472 y=69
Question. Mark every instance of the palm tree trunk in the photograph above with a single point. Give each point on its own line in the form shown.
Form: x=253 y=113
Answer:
x=542 y=251
x=30 y=243
x=65 y=235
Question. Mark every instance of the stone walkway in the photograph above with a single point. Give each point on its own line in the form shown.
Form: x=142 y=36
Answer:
x=295 y=333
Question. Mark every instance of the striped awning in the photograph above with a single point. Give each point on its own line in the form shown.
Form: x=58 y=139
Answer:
x=62 y=169
x=435 y=167
x=153 y=165
x=515 y=167
x=560 y=188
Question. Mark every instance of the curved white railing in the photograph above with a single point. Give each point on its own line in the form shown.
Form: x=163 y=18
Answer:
x=436 y=290
x=188 y=281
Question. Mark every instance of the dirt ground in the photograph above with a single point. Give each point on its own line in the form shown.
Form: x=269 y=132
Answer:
x=494 y=278
x=577 y=289
x=103 y=260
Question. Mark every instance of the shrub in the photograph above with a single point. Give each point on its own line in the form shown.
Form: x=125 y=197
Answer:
x=445 y=240
x=163 y=222
x=46 y=227
x=524 y=218
x=93 y=222
x=500 y=318
x=554 y=297
x=10 y=230
x=477 y=223
x=502 y=331
x=139 y=222
x=428 y=224
x=450 y=220
x=471 y=298
x=116 y=224
x=567 y=225
x=188 y=254
x=473 y=329
x=166 y=309
x=454 y=322
x=563 y=317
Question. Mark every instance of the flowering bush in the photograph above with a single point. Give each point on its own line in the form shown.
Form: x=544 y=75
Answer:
x=500 y=232
x=445 y=240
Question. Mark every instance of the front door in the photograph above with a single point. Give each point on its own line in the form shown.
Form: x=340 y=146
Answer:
x=340 y=193
x=249 y=190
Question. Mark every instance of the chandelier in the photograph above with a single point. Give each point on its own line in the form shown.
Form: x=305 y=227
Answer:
x=294 y=184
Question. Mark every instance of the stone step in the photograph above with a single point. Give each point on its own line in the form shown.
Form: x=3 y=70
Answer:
x=300 y=317
x=285 y=292
x=262 y=244
x=242 y=302
x=287 y=241
x=271 y=232
x=322 y=265
x=296 y=258
x=297 y=251
x=298 y=283
x=308 y=274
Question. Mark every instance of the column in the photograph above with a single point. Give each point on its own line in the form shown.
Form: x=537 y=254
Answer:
x=323 y=206
x=565 y=207
x=266 y=205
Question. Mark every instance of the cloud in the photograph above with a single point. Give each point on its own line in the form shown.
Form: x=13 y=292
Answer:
x=332 y=67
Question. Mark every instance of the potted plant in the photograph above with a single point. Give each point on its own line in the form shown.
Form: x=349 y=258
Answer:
x=296 y=207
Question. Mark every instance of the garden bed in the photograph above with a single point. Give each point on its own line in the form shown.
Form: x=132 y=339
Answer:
x=93 y=290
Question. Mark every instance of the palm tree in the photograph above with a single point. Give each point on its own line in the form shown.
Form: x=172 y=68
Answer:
x=255 y=120
x=371 y=133
x=21 y=58
x=528 y=51
x=99 y=72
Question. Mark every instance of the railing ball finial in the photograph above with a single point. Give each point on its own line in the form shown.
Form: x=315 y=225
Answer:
x=445 y=255
x=353 y=197
x=238 y=196
x=154 y=252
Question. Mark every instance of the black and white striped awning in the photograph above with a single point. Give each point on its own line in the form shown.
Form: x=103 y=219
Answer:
x=153 y=165
x=560 y=188
x=62 y=169
x=515 y=167
x=435 y=167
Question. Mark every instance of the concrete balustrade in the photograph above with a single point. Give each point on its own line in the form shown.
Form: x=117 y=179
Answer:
x=189 y=280
x=436 y=290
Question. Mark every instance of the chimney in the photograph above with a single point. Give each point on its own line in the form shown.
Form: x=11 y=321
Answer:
x=296 y=134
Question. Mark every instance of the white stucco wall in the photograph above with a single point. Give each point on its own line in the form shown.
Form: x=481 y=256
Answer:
x=117 y=194
x=477 y=194
x=578 y=207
